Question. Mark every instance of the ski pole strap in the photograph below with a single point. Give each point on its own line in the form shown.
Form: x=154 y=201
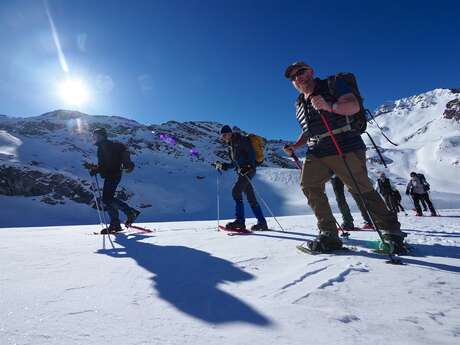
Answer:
x=336 y=144
x=380 y=128
x=377 y=149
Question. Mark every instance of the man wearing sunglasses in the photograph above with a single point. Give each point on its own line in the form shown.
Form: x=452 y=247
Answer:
x=315 y=99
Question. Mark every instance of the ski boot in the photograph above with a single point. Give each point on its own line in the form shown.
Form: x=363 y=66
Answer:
x=394 y=244
x=236 y=225
x=323 y=244
x=131 y=217
x=259 y=227
x=112 y=229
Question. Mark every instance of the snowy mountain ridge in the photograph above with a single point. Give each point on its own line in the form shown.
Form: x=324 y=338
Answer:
x=41 y=162
x=426 y=128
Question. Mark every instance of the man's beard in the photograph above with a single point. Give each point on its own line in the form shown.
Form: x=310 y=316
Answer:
x=307 y=86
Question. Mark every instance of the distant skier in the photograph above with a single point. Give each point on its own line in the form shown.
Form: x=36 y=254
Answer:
x=418 y=188
x=397 y=201
x=243 y=160
x=112 y=158
x=386 y=189
x=348 y=221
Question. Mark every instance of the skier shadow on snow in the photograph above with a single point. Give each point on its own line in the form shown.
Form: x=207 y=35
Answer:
x=434 y=233
x=187 y=278
x=417 y=250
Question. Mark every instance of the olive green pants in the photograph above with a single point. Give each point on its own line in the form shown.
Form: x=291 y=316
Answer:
x=317 y=171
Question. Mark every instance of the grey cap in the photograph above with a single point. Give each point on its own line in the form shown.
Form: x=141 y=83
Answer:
x=100 y=132
x=292 y=68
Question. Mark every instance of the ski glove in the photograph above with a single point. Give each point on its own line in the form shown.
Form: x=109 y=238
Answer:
x=93 y=171
x=93 y=168
x=245 y=170
x=220 y=165
x=129 y=167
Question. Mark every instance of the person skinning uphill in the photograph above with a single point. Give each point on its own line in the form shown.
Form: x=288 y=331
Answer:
x=386 y=189
x=326 y=110
x=112 y=157
x=347 y=218
x=243 y=160
x=418 y=189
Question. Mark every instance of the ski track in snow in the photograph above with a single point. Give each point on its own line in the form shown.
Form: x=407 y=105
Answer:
x=304 y=276
x=338 y=278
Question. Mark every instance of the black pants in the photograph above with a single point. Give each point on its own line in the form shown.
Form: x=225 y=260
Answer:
x=423 y=197
x=398 y=205
x=390 y=203
x=243 y=185
x=111 y=203
x=339 y=191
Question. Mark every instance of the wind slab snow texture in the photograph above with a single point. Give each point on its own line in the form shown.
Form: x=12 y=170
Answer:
x=190 y=284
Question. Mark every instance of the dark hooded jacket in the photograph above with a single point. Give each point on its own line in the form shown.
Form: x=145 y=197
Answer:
x=112 y=158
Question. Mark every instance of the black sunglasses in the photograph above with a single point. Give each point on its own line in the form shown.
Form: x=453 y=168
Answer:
x=298 y=73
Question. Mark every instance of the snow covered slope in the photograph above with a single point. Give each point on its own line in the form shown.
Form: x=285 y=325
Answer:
x=426 y=128
x=189 y=284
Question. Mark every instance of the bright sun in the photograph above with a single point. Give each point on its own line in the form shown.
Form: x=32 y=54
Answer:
x=73 y=92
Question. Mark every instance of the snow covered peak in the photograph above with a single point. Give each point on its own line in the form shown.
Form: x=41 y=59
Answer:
x=421 y=101
x=426 y=128
x=62 y=114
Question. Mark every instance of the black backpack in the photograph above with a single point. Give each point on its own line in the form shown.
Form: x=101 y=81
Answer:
x=359 y=120
x=424 y=182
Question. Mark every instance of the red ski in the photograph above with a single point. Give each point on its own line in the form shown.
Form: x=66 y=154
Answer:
x=232 y=232
x=357 y=229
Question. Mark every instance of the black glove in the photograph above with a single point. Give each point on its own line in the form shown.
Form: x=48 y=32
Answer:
x=93 y=171
x=93 y=168
x=245 y=170
x=129 y=167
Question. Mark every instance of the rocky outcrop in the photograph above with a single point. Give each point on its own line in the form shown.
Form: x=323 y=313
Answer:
x=453 y=110
x=52 y=187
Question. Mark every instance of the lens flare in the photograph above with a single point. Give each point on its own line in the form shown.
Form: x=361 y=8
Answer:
x=73 y=92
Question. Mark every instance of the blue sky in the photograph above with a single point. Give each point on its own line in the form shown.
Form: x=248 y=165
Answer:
x=220 y=60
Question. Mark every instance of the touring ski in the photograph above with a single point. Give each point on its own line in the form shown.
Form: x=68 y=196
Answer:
x=234 y=231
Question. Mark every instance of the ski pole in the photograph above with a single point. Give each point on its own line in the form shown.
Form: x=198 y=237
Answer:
x=341 y=154
x=103 y=211
x=219 y=174
x=93 y=190
x=260 y=197
x=294 y=156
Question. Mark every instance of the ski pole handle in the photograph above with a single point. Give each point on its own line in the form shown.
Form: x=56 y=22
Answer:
x=293 y=155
